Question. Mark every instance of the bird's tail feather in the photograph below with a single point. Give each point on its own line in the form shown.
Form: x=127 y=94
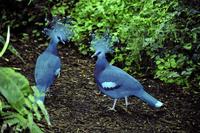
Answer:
x=150 y=100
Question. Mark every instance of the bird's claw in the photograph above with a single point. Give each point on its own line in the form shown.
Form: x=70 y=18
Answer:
x=112 y=109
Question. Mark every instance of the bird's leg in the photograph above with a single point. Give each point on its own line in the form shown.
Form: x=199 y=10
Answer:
x=57 y=73
x=126 y=102
x=113 y=107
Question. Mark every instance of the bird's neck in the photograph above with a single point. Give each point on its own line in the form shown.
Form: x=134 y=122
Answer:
x=101 y=64
x=52 y=48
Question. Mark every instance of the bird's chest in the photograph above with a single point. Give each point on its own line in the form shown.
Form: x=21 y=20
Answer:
x=99 y=67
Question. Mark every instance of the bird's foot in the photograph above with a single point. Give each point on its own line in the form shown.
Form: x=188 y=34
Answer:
x=111 y=109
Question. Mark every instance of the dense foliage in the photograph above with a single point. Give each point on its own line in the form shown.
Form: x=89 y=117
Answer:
x=138 y=24
x=159 y=37
x=179 y=61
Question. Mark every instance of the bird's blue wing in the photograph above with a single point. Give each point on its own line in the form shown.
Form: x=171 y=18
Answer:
x=115 y=78
x=45 y=71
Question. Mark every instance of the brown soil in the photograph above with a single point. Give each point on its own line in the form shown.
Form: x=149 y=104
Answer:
x=74 y=107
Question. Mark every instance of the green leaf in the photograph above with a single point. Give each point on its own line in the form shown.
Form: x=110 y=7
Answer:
x=173 y=63
x=35 y=129
x=161 y=67
x=187 y=46
x=14 y=87
x=11 y=122
x=11 y=85
x=167 y=65
x=44 y=111
x=12 y=118
x=173 y=74
x=158 y=62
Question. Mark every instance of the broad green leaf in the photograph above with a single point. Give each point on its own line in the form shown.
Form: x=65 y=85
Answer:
x=11 y=84
x=11 y=122
x=35 y=129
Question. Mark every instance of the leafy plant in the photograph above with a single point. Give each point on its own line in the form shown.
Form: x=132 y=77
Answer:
x=166 y=32
x=18 y=108
x=183 y=47
x=167 y=69
x=62 y=8
x=59 y=9
x=138 y=24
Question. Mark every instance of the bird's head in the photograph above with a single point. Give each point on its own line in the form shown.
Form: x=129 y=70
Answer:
x=101 y=45
x=59 y=31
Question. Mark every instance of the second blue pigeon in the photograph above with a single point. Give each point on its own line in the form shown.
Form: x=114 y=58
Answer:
x=113 y=81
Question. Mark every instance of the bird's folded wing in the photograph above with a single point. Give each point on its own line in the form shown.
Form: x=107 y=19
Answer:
x=46 y=67
x=109 y=85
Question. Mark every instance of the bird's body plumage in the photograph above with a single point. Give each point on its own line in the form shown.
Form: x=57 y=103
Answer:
x=47 y=66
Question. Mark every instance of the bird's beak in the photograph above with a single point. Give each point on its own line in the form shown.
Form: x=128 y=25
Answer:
x=95 y=54
x=61 y=40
